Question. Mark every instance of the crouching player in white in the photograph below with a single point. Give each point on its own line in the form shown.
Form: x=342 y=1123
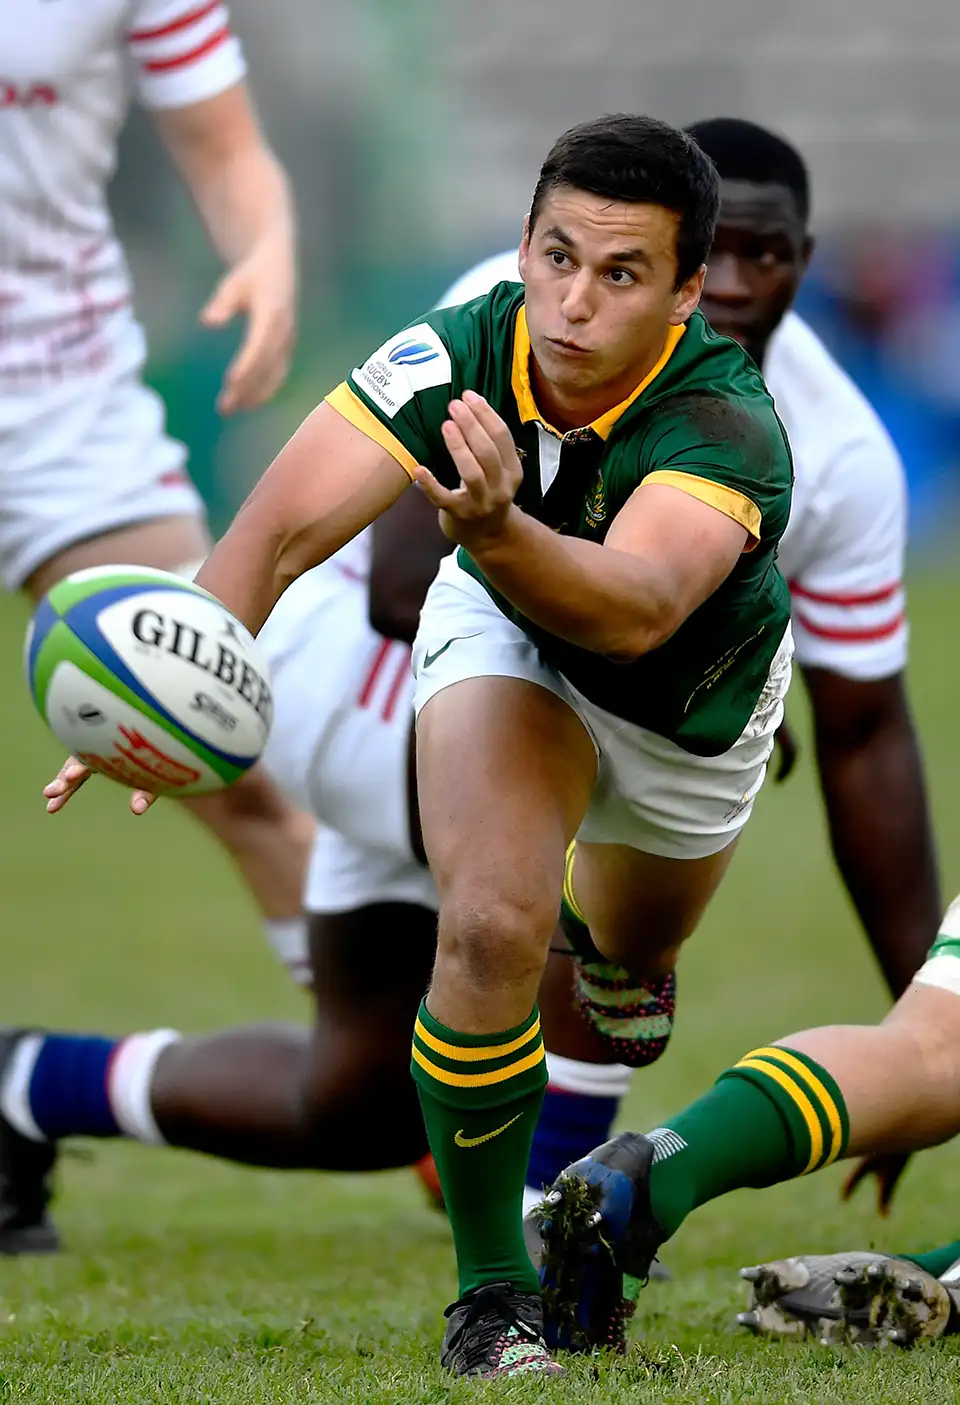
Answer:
x=88 y=475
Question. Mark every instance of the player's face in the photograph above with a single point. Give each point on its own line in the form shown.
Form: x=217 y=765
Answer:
x=759 y=256
x=600 y=296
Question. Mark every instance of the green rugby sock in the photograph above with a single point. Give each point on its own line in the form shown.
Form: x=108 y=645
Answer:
x=774 y=1115
x=935 y=1261
x=481 y=1096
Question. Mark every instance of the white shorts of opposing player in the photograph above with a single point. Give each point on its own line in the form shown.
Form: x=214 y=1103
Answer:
x=649 y=793
x=343 y=700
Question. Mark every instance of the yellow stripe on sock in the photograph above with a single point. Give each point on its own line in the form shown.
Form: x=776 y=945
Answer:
x=819 y=1090
x=478 y=1080
x=805 y=1106
x=473 y=1054
x=568 y=895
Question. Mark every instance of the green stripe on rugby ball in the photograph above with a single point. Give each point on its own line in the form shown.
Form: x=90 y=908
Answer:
x=72 y=589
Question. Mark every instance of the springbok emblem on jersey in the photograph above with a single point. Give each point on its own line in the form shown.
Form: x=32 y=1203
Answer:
x=596 y=504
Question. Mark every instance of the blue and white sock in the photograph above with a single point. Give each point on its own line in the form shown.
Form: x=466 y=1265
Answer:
x=579 y=1108
x=65 y=1085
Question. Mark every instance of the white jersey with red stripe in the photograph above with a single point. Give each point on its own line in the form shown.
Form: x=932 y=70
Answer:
x=68 y=71
x=843 y=549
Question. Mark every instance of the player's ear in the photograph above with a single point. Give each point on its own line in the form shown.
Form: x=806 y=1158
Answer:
x=524 y=247
x=806 y=253
x=688 y=296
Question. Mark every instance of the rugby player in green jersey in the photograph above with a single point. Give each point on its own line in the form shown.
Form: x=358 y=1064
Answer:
x=605 y=657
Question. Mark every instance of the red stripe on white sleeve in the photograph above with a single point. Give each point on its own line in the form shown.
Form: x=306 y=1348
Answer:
x=139 y=36
x=845 y=634
x=183 y=52
x=181 y=60
x=846 y=598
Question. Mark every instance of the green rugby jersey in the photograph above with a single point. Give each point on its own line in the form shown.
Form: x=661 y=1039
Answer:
x=701 y=421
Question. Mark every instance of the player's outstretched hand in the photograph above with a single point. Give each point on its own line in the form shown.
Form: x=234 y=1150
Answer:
x=887 y=1167
x=486 y=459
x=71 y=776
x=263 y=288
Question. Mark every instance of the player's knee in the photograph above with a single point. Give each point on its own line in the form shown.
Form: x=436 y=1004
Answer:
x=486 y=942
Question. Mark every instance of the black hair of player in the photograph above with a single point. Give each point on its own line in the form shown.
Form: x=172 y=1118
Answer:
x=639 y=160
x=744 y=151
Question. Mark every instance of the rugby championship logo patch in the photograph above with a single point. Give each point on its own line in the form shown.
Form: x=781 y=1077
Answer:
x=413 y=360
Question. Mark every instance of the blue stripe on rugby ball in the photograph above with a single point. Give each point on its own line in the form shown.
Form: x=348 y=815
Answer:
x=82 y=620
x=43 y=621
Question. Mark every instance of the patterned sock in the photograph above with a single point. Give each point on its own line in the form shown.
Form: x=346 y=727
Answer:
x=62 y=1085
x=480 y=1095
x=578 y=1110
x=774 y=1115
x=633 y=1017
x=936 y=1261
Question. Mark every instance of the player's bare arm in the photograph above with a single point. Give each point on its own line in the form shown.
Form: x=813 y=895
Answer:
x=327 y=484
x=244 y=199
x=665 y=553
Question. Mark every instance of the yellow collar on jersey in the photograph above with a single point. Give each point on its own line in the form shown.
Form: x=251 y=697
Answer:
x=523 y=390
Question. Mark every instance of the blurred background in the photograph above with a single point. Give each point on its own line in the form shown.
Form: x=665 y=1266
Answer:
x=413 y=131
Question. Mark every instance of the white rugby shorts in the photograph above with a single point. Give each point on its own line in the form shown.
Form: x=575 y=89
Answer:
x=81 y=460
x=649 y=794
x=343 y=698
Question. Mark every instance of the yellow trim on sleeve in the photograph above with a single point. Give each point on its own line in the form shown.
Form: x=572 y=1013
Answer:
x=805 y=1106
x=726 y=500
x=478 y=1080
x=473 y=1053
x=347 y=403
x=820 y=1092
x=523 y=390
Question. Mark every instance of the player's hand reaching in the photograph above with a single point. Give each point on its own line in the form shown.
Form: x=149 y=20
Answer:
x=887 y=1167
x=486 y=459
x=71 y=776
x=262 y=287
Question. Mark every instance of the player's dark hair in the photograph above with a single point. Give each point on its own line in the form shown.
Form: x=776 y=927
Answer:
x=642 y=161
x=742 y=151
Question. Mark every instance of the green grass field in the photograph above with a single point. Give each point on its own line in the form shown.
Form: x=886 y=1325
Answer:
x=189 y=1281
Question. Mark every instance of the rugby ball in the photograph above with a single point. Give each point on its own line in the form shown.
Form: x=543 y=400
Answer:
x=149 y=680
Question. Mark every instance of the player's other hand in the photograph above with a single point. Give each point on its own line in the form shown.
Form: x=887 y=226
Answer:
x=71 y=776
x=788 y=750
x=887 y=1168
x=486 y=459
x=261 y=287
